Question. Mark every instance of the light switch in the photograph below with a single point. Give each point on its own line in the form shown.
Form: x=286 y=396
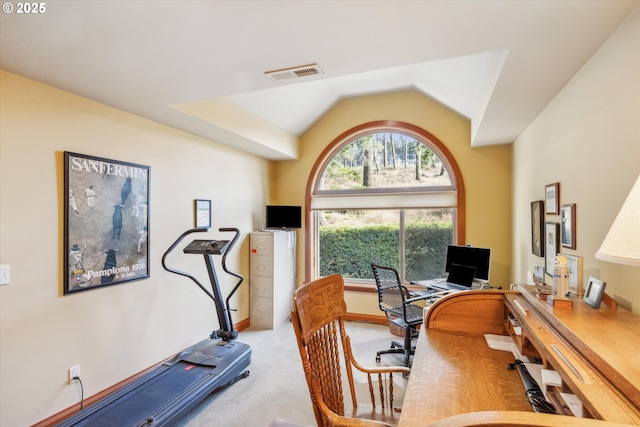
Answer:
x=4 y=274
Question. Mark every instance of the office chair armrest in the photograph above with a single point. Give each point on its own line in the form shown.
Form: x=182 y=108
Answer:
x=405 y=292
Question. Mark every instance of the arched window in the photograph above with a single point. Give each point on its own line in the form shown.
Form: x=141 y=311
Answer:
x=385 y=192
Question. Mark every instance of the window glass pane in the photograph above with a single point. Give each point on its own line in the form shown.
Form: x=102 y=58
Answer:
x=350 y=240
x=384 y=160
x=427 y=234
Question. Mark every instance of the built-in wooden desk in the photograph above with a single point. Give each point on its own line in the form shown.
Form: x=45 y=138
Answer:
x=455 y=373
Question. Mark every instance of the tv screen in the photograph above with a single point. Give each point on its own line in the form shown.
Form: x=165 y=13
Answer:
x=284 y=216
x=480 y=258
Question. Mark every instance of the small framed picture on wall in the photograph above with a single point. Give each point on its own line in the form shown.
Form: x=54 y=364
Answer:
x=568 y=225
x=552 y=198
x=203 y=213
x=552 y=242
x=537 y=221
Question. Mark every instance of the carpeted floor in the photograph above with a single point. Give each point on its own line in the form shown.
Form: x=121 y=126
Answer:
x=276 y=388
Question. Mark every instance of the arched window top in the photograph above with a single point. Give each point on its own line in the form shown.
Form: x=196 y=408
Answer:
x=439 y=171
x=386 y=160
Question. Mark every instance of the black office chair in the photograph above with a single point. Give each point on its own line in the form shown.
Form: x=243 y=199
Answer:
x=392 y=299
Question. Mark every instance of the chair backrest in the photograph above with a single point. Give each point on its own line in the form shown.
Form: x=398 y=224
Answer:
x=391 y=293
x=317 y=319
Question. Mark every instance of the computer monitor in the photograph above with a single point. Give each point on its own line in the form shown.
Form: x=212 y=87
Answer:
x=480 y=258
x=283 y=217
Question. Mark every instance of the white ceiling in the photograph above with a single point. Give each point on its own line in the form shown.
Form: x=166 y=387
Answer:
x=199 y=66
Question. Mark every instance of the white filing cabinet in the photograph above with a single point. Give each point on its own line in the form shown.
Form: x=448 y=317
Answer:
x=272 y=277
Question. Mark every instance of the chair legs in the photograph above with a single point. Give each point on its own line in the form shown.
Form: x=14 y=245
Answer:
x=397 y=348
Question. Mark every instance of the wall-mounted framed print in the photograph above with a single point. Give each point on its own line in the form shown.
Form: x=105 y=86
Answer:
x=552 y=198
x=203 y=213
x=574 y=264
x=551 y=243
x=568 y=226
x=594 y=291
x=537 y=222
x=106 y=222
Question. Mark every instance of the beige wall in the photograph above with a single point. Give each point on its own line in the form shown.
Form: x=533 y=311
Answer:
x=116 y=331
x=486 y=172
x=588 y=140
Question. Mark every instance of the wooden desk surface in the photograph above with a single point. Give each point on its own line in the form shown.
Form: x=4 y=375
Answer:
x=461 y=374
x=456 y=373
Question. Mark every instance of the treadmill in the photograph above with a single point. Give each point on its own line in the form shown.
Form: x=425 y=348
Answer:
x=163 y=395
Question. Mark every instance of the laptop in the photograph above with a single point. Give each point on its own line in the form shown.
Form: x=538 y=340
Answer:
x=460 y=278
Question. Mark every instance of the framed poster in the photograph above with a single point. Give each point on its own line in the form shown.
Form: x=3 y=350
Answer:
x=568 y=225
x=106 y=222
x=537 y=221
x=552 y=198
x=552 y=242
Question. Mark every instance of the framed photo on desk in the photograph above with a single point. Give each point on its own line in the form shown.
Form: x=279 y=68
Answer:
x=594 y=291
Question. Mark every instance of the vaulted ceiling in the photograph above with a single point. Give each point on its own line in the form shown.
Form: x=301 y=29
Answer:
x=199 y=66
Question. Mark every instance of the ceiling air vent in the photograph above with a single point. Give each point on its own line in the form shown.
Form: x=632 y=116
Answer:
x=295 y=72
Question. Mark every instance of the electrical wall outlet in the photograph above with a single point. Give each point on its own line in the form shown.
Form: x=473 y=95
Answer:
x=74 y=371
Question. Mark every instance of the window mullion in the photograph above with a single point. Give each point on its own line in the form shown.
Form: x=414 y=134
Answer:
x=402 y=247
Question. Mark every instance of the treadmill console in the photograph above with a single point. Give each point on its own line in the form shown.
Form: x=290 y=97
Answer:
x=207 y=247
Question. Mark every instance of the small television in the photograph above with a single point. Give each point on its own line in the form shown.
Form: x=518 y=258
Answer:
x=283 y=217
x=480 y=258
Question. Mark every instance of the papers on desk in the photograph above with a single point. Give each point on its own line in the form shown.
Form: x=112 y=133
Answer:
x=515 y=324
x=573 y=403
x=500 y=342
x=552 y=378
x=504 y=343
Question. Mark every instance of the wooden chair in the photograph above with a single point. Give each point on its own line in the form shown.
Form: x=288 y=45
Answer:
x=317 y=318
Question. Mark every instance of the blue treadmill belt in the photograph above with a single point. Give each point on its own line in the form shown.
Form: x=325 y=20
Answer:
x=156 y=394
x=165 y=394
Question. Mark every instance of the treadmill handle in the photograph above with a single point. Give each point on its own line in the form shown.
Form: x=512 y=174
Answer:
x=181 y=273
x=224 y=264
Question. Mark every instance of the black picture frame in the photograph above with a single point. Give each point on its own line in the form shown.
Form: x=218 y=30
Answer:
x=106 y=222
x=202 y=210
x=552 y=243
x=594 y=291
x=568 y=226
x=537 y=224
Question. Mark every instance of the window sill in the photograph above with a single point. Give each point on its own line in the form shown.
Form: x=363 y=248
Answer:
x=367 y=288
x=359 y=287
